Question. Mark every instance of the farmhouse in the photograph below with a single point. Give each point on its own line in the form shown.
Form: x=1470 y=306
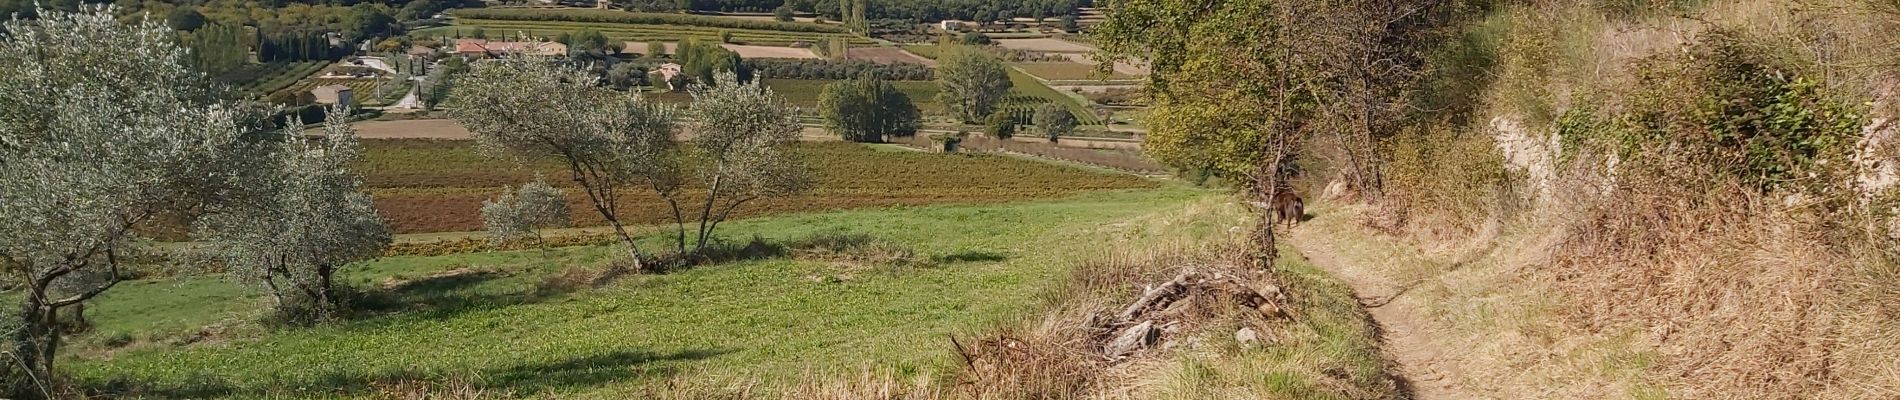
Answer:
x=667 y=72
x=333 y=94
x=485 y=48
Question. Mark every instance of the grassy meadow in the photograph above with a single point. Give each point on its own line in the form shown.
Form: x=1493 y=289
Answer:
x=765 y=320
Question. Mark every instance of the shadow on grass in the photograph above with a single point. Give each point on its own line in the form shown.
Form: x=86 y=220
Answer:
x=968 y=256
x=519 y=380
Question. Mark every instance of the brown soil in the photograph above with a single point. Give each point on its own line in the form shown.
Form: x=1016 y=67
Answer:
x=1429 y=372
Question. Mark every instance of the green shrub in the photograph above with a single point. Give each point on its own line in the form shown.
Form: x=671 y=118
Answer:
x=1731 y=108
x=1000 y=125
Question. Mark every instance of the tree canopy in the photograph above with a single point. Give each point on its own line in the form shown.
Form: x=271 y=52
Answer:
x=103 y=127
x=973 y=80
x=866 y=110
x=532 y=110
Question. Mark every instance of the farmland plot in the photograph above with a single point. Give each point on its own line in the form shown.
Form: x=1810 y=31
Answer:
x=438 y=186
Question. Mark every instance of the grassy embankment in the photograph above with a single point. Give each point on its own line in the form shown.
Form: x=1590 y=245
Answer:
x=774 y=319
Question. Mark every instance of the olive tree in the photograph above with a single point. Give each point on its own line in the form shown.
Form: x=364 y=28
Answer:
x=521 y=214
x=102 y=127
x=531 y=110
x=738 y=152
x=297 y=218
x=866 y=109
x=973 y=80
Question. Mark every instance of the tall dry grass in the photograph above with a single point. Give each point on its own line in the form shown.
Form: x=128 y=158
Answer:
x=1742 y=289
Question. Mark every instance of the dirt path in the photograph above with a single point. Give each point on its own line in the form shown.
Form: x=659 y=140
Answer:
x=1423 y=365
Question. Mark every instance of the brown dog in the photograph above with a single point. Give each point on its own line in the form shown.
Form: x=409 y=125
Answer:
x=1289 y=208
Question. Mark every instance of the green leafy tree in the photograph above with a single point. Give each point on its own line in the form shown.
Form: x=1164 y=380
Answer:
x=85 y=156
x=626 y=75
x=299 y=219
x=656 y=49
x=368 y=20
x=704 y=60
x=783 y=13
x=866 y=110
x=532 y=110
x=185 y=18
x=1000 y=125
x=973 y=80
x=418 y=9
x=1054 y=120
x=590 y=45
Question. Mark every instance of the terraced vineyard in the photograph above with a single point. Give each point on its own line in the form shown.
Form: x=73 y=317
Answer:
x=271 y=77
x=804 y=93
x=466 y=27
x=364 y=90
x=1029 y=93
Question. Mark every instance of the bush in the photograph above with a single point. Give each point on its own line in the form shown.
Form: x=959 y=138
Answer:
x=783 y=13
x=976 y=39
x=1054 y=120
x=621 y=17
x=1000 y=125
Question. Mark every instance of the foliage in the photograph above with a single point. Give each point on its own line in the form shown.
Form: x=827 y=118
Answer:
x=705 y=60
x=102 y=127
x=184 y=19
x=974 y=82
x=298 y=219
x=521 y=214
x=531 y=110
x=838 y=69
x=577 y=15
x=738 y=152
x=656 y=48
x=975 y=39
x=1054 y=121
x=783 y=13
x=1000 y=125
x=217 y=49
x=626 y=75
x=1728 y=108
x=589 y=44
x=866 y=110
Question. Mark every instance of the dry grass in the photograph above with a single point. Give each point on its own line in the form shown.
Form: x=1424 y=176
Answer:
x=1651 y=277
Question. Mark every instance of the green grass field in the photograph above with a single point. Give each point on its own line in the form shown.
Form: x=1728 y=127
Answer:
x=771 y=320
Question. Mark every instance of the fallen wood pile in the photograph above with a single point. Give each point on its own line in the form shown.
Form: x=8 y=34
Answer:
x=1062 y=356
x=1165 y=309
